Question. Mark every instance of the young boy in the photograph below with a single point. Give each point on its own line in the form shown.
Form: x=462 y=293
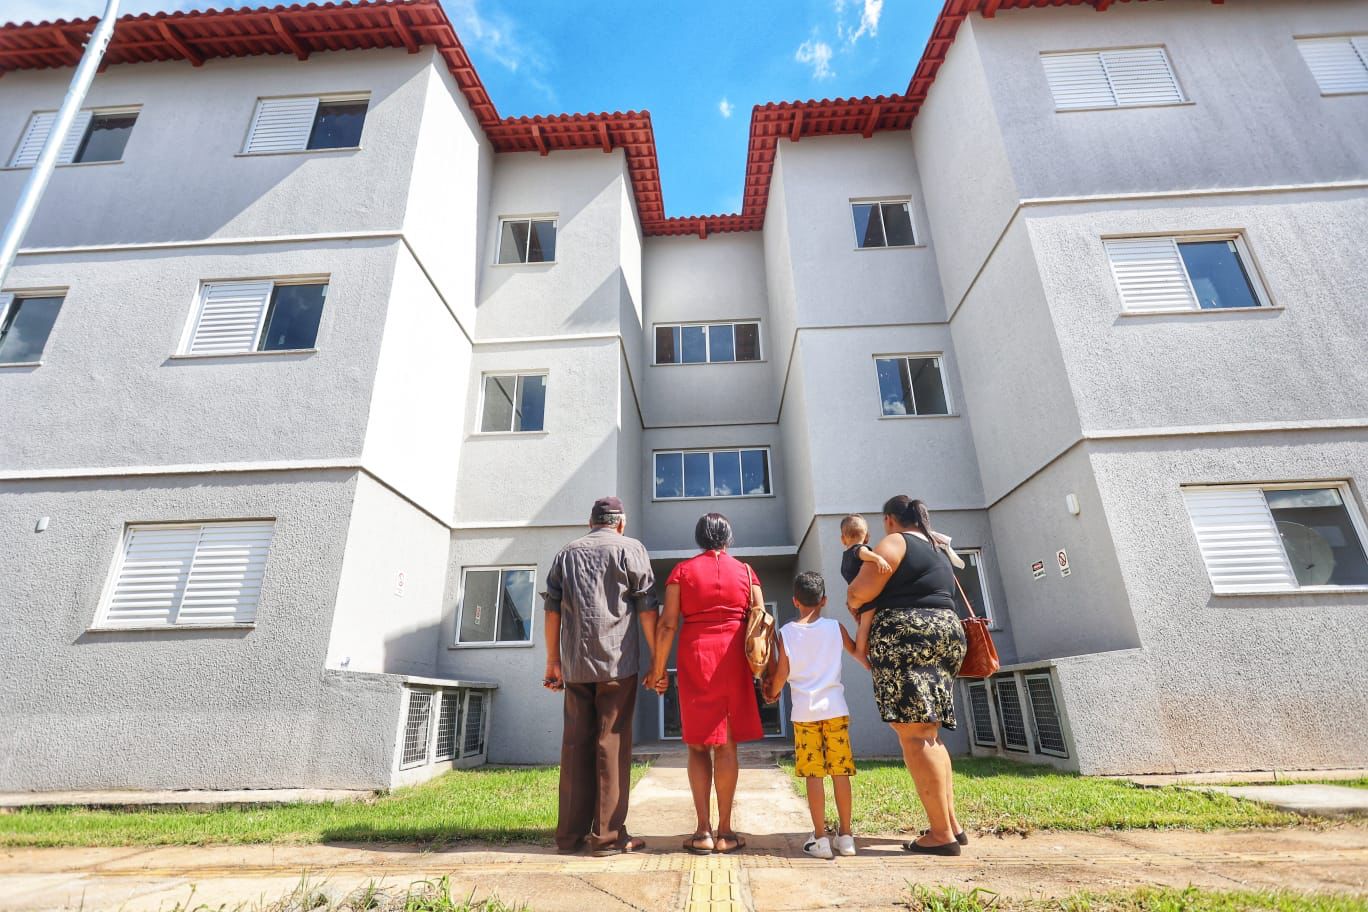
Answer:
x=810 y=663
x=855 y=536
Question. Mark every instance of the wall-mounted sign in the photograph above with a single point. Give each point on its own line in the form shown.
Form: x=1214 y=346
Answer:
x=399 y=585
x=1063 y=562
x=1038 y=570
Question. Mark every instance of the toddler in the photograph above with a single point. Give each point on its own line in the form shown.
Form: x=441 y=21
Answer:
x=809 y=661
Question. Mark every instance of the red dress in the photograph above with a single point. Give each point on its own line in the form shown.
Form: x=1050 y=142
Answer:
x=716 y=689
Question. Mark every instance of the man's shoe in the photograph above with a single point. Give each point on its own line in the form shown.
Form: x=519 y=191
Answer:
x=818 y=847
x=627 y=847
x=845 y=846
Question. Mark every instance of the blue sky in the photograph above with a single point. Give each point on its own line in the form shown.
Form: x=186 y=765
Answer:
x=698 y=67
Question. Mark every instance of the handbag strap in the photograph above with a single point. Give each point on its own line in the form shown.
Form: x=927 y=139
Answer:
x=750 y=596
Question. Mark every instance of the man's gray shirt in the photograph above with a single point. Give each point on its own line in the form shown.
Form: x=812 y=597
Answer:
x=597 y=584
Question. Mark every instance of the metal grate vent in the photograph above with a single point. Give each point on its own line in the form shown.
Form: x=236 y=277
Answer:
x=1045 y=712
x=1010 y=715
x=474 y=726
x=416 y=728
x=981 y=710
x=448 y=724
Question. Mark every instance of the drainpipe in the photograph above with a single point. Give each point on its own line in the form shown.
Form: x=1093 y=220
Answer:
x=42 y=169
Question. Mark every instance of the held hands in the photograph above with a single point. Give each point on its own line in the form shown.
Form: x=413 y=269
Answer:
x=661 y=684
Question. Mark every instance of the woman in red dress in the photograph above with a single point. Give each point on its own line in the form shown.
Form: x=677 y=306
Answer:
x=706 y=598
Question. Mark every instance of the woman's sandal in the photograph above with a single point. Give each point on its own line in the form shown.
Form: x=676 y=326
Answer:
x=694 y=844
x=737 y=843
x=949 y=849
x=961 y=837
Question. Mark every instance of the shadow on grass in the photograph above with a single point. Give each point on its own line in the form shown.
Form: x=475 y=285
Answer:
x=418 y=839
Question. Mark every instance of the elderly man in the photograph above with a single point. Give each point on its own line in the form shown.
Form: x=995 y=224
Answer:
x=597 y=588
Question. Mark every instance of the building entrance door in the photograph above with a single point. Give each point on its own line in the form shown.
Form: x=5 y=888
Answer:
x=773 y=719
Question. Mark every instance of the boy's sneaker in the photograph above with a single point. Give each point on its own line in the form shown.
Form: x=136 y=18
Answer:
x=845 y=845
x=818 y=847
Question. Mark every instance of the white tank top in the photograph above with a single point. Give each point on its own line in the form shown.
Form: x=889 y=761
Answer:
x=814 y=655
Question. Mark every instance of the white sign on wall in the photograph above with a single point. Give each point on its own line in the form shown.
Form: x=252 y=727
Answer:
x=1063 y=560
x=1038 y=570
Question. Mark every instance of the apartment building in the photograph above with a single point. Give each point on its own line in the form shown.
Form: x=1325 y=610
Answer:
x=311 y=361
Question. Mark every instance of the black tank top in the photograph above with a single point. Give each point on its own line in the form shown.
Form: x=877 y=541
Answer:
x=924 y=579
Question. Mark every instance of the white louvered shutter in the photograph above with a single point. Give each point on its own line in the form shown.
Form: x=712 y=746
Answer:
x=281 y=125
x=1239 y=541
x=152 y=576
x=1150 y=275
x=1078 y=80
x=224 y=585
x=37 y=133
x=1340 y=65
x=229 y=318
x=1141 y=76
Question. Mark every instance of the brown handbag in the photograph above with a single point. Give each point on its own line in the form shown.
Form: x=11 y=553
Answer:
x=759 y=634
x=981 y=658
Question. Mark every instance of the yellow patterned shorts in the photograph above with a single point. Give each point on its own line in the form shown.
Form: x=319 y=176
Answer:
x=823 y=748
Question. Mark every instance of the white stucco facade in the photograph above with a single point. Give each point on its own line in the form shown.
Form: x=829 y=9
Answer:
x=369 y=452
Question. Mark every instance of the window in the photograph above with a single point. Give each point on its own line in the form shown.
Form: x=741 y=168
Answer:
x=95 y=136
x=239 y=317
x=974 y=580
x=1158 y=275
x=1278 y=538
x=513 y=403
x=186 y=575
x=882 y=224
x=25 y=324
x=527 y=240
x=496 y=606
x=707 y=343
x=306 y=124
x=911 y=385
x=1340 y=64
x=1112 y=79
x=705 y=473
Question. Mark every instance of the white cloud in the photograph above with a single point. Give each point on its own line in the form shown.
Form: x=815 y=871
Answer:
x=498 y=36
x=726 y=107
x=870 y=14
x=816 y=54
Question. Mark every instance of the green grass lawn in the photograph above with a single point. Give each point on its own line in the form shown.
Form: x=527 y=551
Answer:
x=948 y=899
x=491 y=804
x=999 y=796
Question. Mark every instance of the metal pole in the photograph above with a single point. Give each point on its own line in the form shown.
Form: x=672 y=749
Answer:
x=42 y=169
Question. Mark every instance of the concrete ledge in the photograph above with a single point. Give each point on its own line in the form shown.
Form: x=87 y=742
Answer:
x=1252 y=777
x=193 y=799
x=1308 y=800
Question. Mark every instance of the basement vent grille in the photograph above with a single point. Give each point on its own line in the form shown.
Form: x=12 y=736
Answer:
x=475 y=726
x=1049 y=730
x=448 y=724
x=1010 y=715
x=981 y=709
x=416 y=728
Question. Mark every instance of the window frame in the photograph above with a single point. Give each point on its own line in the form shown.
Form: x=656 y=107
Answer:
x=880 y=202
x=456 y=642
x=939 y=358
x=93 y=112
x=707 y=343
x=1242 y=251
x=319 y=100
x=100 y=622
x=1353 y=39
x=197 y=306
x=984 y=610
x=552 y=217
x=712 y=475
x=519 y=374
x=1183 y=97
x=9 y=297
x=1352 y=507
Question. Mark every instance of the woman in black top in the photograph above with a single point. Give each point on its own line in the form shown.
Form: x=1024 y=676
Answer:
x=916 y=645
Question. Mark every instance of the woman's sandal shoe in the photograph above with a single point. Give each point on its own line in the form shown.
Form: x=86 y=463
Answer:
x=695 y=845
x=737 y=843
x=961 y=837
x=916 y=848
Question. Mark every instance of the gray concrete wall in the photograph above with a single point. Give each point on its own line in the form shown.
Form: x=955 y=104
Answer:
x=1256 y=116
x=180 y=708
x=185 y=146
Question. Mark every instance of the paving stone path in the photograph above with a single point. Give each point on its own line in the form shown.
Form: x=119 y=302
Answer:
x=772 y=874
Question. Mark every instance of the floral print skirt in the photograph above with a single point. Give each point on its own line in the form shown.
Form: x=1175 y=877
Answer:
x=914 y=655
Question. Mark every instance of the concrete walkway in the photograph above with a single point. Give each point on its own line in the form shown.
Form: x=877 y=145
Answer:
x=772 y=874
x=1309 y=800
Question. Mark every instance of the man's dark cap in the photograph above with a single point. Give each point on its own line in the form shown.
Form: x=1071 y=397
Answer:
x=605 y=506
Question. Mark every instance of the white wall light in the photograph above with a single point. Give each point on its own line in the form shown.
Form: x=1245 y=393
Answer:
x=1071 y=501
